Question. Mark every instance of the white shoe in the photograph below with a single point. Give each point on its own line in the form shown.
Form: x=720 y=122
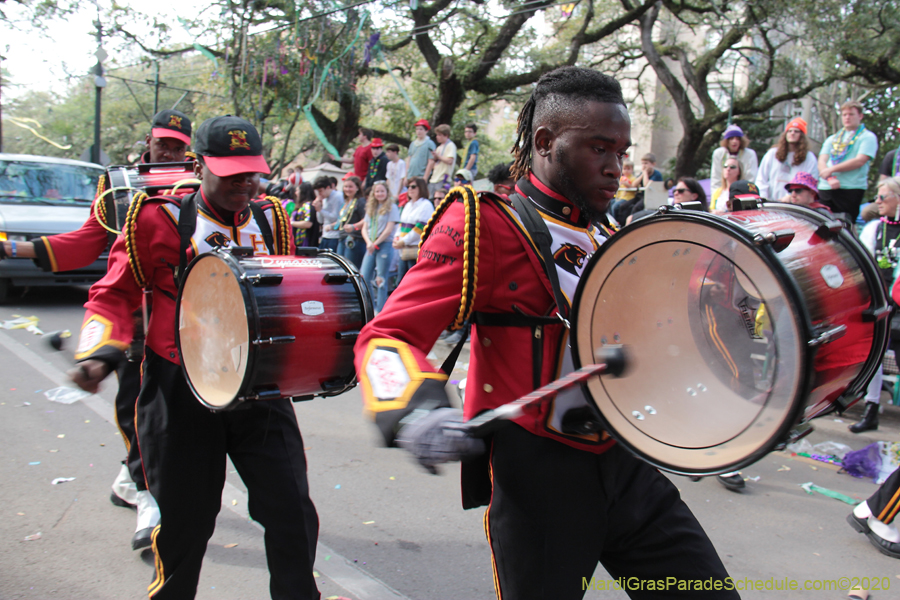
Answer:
x=147 y=520
x=124 y=491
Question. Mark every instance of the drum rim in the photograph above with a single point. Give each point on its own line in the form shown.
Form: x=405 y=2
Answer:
x=228 y=258
x=792 y=296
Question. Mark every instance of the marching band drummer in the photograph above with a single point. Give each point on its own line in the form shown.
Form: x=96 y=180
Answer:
x=559 y=499
x=168 y=140
x=183 y=444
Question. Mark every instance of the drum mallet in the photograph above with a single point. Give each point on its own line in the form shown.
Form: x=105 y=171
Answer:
x=613 y=361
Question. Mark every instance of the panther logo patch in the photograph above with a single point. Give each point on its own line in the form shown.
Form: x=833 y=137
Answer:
x=238 y=140
x=570 y=257
x=217 y=239
x=175 y=121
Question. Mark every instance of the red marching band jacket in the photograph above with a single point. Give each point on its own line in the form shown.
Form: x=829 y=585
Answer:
x=506 y=361
x=151 y=233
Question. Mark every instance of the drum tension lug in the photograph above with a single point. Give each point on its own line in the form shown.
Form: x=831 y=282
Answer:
x=335 y=278
x=273 y=394
x=264 y=278
x=829 y=230
x=825 y=334
x=696 y=205
x=779 y=240
x=278 y=339
x=346 y=335
x=800 y=431
x=241 y=251
x=306 y=251
x=876 y=314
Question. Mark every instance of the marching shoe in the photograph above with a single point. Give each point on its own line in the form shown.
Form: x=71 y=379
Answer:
x=869 y=421
x=148 y=519
x=891 y=549
x=124 y=491
x=860 y=525
x=732 y=481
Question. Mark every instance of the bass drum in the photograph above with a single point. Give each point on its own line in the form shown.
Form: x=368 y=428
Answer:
x=269 y=327
x=739 y=329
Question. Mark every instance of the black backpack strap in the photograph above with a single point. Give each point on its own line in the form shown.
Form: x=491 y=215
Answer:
x=259 y=215
x=537 y=229
x=187 y=223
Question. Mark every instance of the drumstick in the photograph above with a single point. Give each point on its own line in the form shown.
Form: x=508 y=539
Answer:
x=614 y=362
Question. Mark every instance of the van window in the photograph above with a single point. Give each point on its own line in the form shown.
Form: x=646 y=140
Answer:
x=46 y=183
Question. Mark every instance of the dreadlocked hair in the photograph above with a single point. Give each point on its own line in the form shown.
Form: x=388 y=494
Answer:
x=553 y=90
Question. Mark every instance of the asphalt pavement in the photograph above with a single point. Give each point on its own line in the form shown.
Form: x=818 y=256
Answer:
x=388 y=530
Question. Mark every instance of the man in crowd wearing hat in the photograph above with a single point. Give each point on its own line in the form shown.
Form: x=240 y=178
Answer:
x=803 y=192
x=734 y=144
x=168 y=140
x=463 y=177
x=844 y=162
x=419 y=152
x=378 y=167
x=183 y=444
x=789 y=156
x=362 y=155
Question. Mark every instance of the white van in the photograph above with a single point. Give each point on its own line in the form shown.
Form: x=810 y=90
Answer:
x=40 y=195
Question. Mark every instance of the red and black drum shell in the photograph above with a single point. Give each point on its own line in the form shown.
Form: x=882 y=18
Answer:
x=844 y=365
x=318 y=300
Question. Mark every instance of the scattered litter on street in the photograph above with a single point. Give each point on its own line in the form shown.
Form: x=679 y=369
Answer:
x=809 y=487
x=65 y=395
x=59 y=480
x=230 y=545
x=32 y=537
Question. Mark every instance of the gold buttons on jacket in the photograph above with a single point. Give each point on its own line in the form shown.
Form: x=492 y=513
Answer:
x=566 y=210
x=488 y=388
x=486 y=342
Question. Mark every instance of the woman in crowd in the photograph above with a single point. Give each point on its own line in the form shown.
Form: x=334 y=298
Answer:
x=378 y=226
x=688 y=189
x=791 y=155
x=731 y=172
x=350 y=221
x=416 y=213
x=734 y=144
x=303 y=218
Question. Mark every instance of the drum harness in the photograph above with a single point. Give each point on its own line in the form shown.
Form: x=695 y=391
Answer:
x=579 y=420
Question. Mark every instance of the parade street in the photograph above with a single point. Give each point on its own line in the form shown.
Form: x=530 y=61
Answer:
x=388 y=530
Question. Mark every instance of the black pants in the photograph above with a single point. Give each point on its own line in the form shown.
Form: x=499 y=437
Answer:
x=885 y=502
x=126 y=398
x=556 y=511
x=843 y=201
x=184 y=445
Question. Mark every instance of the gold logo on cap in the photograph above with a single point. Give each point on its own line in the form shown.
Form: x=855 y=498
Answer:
x=175 y=121
x=238 y=139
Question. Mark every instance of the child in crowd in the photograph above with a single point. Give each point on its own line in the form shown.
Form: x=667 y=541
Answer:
x=396 y=170
x=381 y=216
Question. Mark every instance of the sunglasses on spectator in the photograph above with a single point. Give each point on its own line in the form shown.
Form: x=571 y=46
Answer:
x=884 y=197
x=731 y=166
x=680 y=191
x=413 y=187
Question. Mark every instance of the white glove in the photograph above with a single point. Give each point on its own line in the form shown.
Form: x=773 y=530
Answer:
x=432 y=443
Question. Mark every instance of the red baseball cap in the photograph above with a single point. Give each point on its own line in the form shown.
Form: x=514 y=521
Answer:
x=230 y=145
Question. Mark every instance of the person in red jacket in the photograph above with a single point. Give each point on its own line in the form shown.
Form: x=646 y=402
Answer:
x=561 y=495
x=183 y=444
x=168 y=140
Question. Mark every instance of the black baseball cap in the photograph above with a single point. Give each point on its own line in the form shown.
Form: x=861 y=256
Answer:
x=171 y=124
x=743 y=190
x=230 y=145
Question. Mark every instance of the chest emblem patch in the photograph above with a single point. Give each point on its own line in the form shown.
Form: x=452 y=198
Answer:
x=217 y=239
x=570 y=257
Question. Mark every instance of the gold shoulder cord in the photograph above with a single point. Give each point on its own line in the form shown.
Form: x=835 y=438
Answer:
x=129 y=231
x=100 y=204
x=470 y=246
x=282 y=241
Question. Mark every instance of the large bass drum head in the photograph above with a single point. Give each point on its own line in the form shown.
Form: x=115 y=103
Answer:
x=715 y=341
x=213 y=330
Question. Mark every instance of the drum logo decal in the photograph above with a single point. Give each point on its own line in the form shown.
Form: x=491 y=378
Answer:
x=217 y=239
x=312 y=308
x=748 y=316
x=832 y=276
x=289 y=264
x=570 y=258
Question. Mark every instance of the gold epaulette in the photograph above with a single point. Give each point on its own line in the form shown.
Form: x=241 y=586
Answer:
x=282 y=226
x=471 y=237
